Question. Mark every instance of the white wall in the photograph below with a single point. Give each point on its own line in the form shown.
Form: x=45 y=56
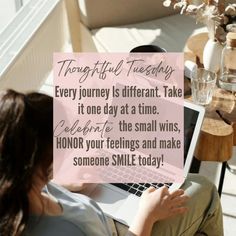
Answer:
x=25 y=1
x=7 y=12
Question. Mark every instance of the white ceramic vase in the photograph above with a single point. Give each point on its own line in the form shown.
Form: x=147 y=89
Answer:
x=212 y=55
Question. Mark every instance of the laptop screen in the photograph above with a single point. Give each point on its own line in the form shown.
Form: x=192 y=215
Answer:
x=190 y=121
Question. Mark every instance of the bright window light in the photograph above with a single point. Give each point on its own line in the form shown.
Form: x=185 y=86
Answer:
x=8 y=10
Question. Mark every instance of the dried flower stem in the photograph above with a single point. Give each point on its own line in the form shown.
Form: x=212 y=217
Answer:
x=210 y=2
x=213 y=13
x=221 y=6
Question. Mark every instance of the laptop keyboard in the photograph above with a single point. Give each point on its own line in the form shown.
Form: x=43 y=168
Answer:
x=126 y=172
x=138 y=188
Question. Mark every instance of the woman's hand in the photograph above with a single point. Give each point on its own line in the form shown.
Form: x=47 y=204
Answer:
x=83 y=188
x=75 y=187
x=155 y=205
x=159 y=204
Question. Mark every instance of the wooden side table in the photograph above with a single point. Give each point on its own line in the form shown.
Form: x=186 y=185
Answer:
x=218 y=133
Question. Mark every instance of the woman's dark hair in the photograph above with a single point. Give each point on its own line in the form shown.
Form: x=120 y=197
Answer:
x=148 y=48
x=26 y=141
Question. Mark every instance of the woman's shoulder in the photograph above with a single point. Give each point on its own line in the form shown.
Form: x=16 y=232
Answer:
x=81 y=210
x=68 y=198
x=51 y=225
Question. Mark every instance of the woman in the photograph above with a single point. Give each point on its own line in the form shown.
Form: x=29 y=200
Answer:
x=27 y=207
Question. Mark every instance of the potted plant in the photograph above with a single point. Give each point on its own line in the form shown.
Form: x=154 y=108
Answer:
x=218 y=16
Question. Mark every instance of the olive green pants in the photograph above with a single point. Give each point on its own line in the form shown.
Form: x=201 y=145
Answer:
x=204 y=216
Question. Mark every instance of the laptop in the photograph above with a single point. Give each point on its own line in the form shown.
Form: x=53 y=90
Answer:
x=120 y=201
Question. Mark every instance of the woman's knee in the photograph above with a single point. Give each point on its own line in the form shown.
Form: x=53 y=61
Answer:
x=196 y=184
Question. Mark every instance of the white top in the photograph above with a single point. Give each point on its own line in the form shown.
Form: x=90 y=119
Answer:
x=81 y=216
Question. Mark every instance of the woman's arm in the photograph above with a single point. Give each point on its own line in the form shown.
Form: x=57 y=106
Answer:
x=83 y=188
x=155 y=205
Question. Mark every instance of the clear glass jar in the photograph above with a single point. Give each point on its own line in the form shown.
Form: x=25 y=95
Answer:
x=228 y=64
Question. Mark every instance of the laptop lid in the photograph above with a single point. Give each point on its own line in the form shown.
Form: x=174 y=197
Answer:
x=193 y=118
x=122 y=205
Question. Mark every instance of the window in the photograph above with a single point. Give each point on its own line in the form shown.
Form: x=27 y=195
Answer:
x=8 y=10
x=28 y=42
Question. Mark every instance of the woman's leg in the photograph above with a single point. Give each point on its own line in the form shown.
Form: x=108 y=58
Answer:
x=204 y=216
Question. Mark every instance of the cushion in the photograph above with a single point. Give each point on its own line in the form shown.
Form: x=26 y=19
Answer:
x=169 y=32
x=99 y=13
